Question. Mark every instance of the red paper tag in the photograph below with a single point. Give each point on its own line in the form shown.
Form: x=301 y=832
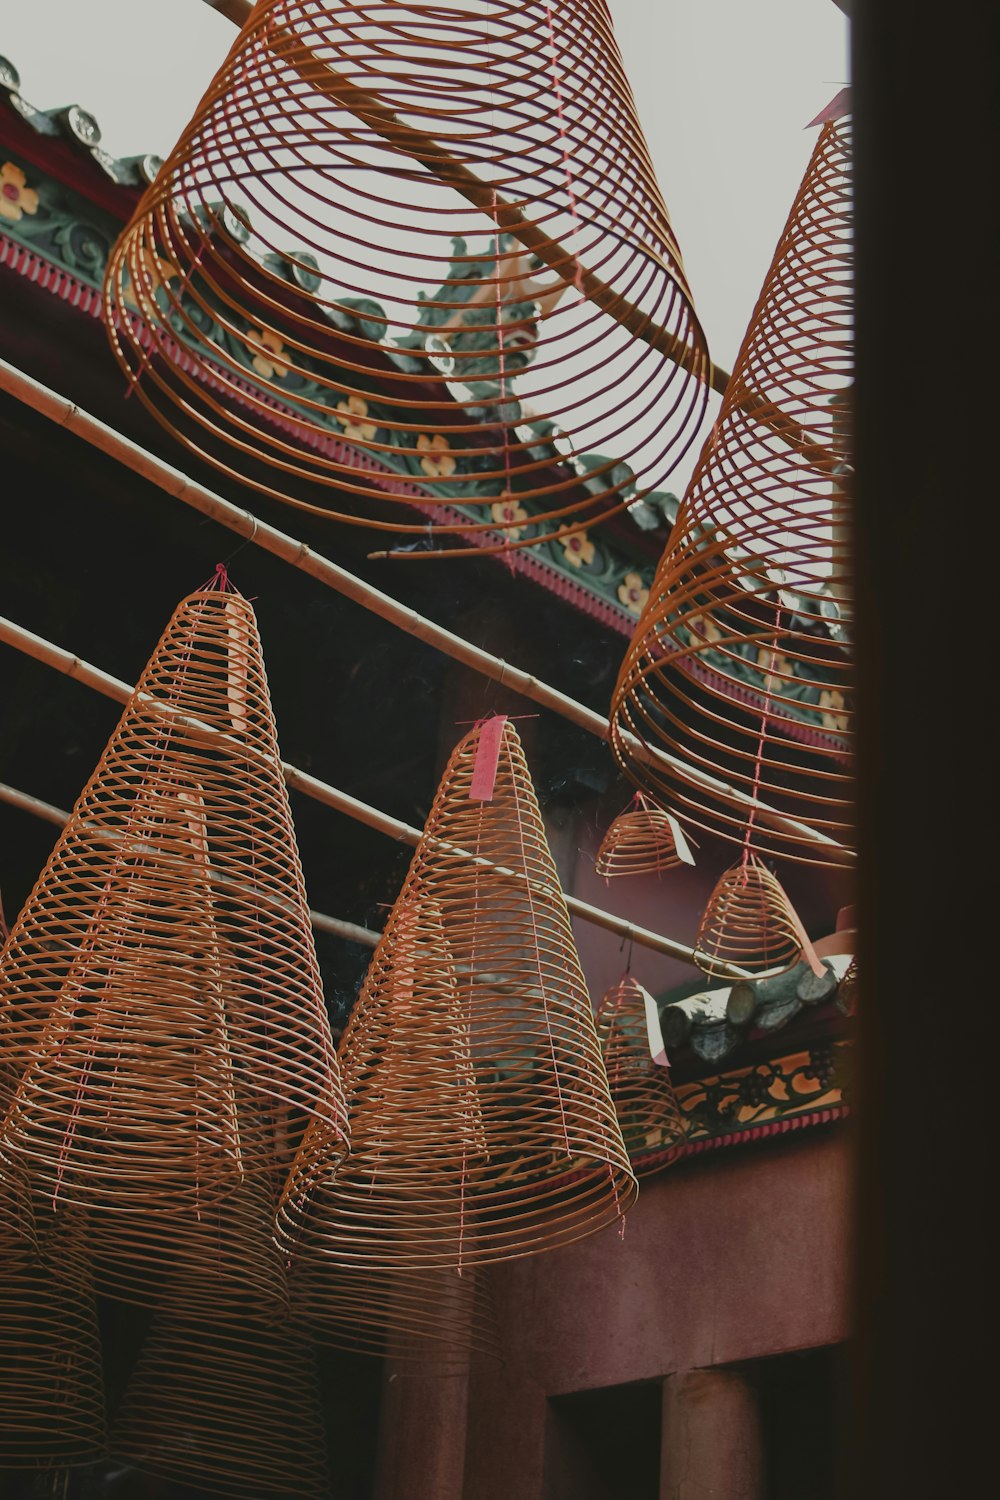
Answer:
x=838 y=107
x=484 y=772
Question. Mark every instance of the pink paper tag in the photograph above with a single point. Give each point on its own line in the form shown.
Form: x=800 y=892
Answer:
x=838 y=106
x=484 y=772
x=680 y=842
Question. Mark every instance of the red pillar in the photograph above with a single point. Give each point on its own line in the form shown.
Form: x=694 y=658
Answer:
x=711 y=1447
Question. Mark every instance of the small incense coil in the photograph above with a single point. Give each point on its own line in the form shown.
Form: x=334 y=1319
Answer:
x=642 y=840
x=749 y=922
x=51 y=1381
x=644 y=1098
x=229 y=1408
x=534 y=1157
x=741 y=663
x=164 y=964
x=472 y=207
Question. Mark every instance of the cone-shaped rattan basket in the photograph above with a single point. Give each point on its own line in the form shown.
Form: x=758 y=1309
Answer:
x=457 y=1164
x=378 y=219
x=163 y=966
x=642 y=840
x=653 y=1126
x=51 y=1382
x=750 y=922
x=741 y=663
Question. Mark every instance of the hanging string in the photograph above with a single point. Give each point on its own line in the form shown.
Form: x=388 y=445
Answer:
x=759 y=757
x=563 y=139
x=508 y=559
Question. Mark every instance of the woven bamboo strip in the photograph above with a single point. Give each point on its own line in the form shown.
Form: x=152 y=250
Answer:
x=534 y=1157
x=757 y=565
x=647 y=1108
x=125 y=1040
x=232 y=1409
x=384 y=143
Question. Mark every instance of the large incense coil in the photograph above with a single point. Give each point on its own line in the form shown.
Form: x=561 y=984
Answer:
x=750 y=922
x=644 y=1098
x=307 y=215
x=51 y=1382
x=740 y=665
x=163 y=966
x=535 y=1159
x=642 y=840
x=233 y=1409
x=219 y=1263
x=411 y=1315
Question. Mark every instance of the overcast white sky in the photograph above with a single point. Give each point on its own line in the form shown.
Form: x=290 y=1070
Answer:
x=724 y=89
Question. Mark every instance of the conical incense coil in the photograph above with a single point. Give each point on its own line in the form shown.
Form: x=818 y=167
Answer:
x=233 y=1409
x=128 y=1098
x=643 y=840
x=430 y=1316
x=741 y=663
x=219 y=1263
x=389 y=226
x=413 y=1106
x=51 y=1382
x=538 y=1160
x=172 y=905
x=749 y=922
x=648 y=1111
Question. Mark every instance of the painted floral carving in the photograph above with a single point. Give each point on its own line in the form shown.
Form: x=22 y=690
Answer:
x=16 y=198
x=351 y=415
x=269 y=365
x=578 y=548
x=156 y=274
x=437 y=460
x=509 y=514
x=633 y=593
x=831 y=706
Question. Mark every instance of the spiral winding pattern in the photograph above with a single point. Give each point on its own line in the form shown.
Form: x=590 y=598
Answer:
x=479 y=243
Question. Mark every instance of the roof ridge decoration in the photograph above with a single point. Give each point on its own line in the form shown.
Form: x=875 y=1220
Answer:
x=78 y=125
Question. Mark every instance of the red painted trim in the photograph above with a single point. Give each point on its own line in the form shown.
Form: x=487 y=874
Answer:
x=748 y=1133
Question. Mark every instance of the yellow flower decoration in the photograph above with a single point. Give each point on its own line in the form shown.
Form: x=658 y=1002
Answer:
x=831 y=706
x=270 y=366
x=579 y=549
x=704 y=626
x=775 y=667
x=633 y=593
x=437 y=462
x=507 y=513
x=15 y=198
x=351 y=414
x=156 y=273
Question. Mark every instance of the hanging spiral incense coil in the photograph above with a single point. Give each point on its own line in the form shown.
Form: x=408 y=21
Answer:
x=644 y=1098
x=533 y=1157
x=164 y=966
x=418 y=229
x=232 y=1408
x=643 y=840
x=220 y=1263
x=740 y=665
x=51 y=1382
x=750 y=922
x=434 y=1317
